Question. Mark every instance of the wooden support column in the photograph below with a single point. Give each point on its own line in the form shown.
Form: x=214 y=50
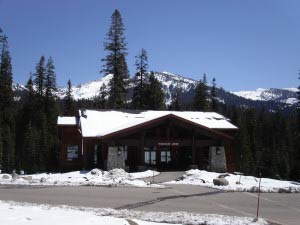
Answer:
x=193 y=148
x=62 y=147
x=84 y=154
x=142 y=152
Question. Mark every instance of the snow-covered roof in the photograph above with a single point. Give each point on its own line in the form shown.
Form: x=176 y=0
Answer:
x=95 y=123
x=66 y=120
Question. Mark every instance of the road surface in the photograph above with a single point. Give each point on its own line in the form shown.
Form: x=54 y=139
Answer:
x=279 y=208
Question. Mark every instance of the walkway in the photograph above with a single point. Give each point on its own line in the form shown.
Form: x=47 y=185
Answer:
x=166 y=176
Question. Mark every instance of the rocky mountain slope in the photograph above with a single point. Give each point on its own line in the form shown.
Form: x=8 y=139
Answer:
x=271 y=99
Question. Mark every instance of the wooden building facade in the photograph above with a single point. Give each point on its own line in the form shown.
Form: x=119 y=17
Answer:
x=165 y=140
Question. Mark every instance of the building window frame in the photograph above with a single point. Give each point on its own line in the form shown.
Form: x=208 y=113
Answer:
x=72 y=152
x=150 y=155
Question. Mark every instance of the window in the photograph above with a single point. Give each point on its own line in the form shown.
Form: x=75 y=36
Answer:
x=150 y=155
x=165 y=155
x=72 y=152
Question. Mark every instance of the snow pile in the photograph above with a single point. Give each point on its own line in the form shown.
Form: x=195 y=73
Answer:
x=247 y=183
x=23 y=213
x=115 y=177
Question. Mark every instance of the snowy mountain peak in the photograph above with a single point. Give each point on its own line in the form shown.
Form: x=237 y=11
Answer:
x=87 y=90
x=285 y=95
x=170 y=82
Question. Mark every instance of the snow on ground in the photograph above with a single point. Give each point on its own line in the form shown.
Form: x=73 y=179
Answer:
x=12 y=213
x=115 y=177
x=247 y=183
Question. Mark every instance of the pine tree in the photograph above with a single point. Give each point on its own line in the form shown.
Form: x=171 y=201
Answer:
x=7 y=113
x=40 y=76
x=101 y=100
x=200 y=101
x=48 y=130
x=69 y=107
x=29 y=110
x=246 y=153
x=50 y=81
x=49 y=99
x=30 y=149
x=243 y=148
x=139 y=89
x=177 y=103
x=115 y=62
x=155 y=94
x=1 y=148
x=43 y=144
x=214 y=101
x=296 y=167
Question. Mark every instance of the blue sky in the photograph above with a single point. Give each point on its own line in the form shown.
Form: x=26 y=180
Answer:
x=244 y=44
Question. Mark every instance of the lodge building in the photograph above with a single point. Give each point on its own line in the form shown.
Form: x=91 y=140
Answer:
x=137 y=140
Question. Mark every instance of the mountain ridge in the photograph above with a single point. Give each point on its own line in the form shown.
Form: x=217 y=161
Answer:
x=271 y=99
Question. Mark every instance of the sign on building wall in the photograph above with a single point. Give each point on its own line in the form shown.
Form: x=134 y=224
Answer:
x=169 y=144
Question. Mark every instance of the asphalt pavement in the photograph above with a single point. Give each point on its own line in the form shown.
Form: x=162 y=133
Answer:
x=279 y=208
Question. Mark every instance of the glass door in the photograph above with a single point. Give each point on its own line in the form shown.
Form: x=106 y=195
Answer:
x=168 y=156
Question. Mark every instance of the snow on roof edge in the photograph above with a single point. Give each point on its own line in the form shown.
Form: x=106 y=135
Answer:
x=99 y=123
x=66 y=120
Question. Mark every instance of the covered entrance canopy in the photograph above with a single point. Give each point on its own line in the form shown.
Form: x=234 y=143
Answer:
x=162 y=139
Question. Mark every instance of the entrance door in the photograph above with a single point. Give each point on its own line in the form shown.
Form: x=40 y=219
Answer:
x=185 y=156
x=168 y=156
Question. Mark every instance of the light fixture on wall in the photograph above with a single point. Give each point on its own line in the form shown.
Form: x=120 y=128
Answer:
x=119 y=151
x=218 y=151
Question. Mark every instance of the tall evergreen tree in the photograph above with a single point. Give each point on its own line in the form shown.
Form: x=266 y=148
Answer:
x=101 y=100
x=296 y=166
x=48 y=129
x=50 y=80
x=28 y=137
x=7 y=113
x=69 y=107
x=298 y=107
x=1 y=148
x=29 y=108
x=139 y=89
x=40 y=76
x=30 y=150
x=155 y=94
x=200 y=101
x=1 y=109
x=50 y=89
x=115 y=62
x=214 y=101
x=246 y=153
x=44 y=147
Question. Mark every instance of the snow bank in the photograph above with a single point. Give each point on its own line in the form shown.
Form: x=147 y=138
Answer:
x=23 y=213
x=95 y=177
x=247 y=183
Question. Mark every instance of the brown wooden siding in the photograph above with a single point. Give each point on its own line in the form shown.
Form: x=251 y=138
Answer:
x=69 y=135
